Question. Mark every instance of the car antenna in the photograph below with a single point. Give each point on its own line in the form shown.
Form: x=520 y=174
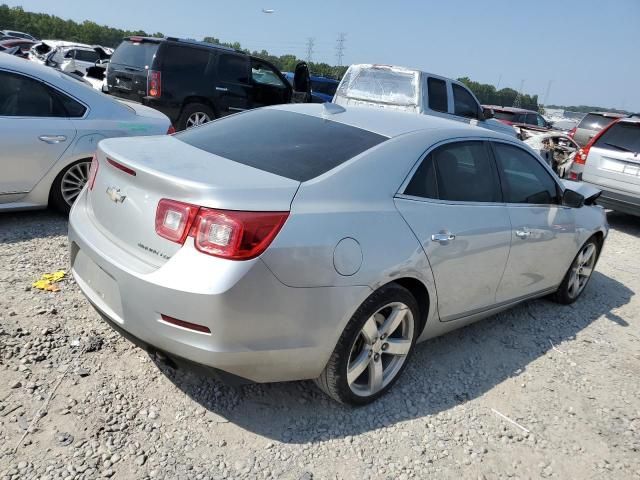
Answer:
x=331 y=109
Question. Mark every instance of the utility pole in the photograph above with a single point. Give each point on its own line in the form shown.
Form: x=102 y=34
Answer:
x=310 y=42
x=340 y=47
x=546 y=94
x=517 y=101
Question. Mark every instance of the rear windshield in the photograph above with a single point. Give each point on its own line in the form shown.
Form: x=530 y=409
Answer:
x=135 y=54
x=385 y=85
x=623 y=136
x=509 y=116
x=292 y=145
x=593 y=121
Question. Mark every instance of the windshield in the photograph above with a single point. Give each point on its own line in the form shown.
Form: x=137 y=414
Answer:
x=394 y=86
x=135 y=54
x=593 y=121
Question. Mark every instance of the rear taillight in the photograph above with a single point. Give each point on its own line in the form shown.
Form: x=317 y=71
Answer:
x=174 y=219
x=582 y=154
x=154 y=83
x=222 y=233
x=93 y=171
x=572 y=132
x=236 y=235
x=171 y=130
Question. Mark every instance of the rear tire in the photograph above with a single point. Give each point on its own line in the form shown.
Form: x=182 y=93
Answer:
x=374 y=348
x=68 y=184
x=579 y=273
x=195 y=114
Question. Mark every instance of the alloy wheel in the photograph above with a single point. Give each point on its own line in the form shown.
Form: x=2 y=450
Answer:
x=74 y=180
x=197 y=118
x=581 y=270
x=380 y=350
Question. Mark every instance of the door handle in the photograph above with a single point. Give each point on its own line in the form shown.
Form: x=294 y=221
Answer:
x=442 y=237
x=52 y=138
x=222 y=89
x=523 y=233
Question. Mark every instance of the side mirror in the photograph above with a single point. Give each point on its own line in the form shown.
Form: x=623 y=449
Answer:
x=573 y=199
x=488 y=113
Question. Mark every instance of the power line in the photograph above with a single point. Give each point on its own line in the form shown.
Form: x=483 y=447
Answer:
x=546 y=94
x=310 y=42
x=340 y=47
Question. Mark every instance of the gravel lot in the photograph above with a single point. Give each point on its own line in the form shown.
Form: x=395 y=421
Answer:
x=568 y=376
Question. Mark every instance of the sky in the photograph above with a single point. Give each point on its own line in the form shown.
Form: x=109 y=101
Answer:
x=586 y=52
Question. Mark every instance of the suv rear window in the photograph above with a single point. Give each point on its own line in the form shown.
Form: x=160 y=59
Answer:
x=135 y=54
x=292 y=145
x=593 y=121
x=623 y=136
x=502 y=115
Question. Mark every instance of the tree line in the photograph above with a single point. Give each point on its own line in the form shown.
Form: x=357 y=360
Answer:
x=42 y=25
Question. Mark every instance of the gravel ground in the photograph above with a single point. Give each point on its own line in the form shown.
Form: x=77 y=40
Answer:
x=566 y=380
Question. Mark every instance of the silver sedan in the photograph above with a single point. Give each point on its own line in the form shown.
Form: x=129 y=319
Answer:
x=318 y=242
x=50 y=126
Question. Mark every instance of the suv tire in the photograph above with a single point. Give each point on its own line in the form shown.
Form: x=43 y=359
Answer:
x=195 y=114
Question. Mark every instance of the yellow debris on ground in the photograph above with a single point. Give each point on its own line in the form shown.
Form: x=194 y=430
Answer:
x=48 y=281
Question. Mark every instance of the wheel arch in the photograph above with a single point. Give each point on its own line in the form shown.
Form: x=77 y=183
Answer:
x=420 y=292
x=199 y=99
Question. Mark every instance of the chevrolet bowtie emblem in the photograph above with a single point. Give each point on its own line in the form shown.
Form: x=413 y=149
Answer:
x=115 y=195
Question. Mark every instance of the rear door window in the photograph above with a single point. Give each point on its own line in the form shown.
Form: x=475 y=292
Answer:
x=464 y=103
x=438 y=100
x=87 y=56
x=461 y=171
x=623 y=137
x=524 y=179
x=25 y=97
x=187 y=61
x=233 y=68
x=135 y=54
x=292 y=145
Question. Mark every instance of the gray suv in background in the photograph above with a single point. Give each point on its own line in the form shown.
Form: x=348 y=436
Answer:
x=591 y=124
x=611 y=162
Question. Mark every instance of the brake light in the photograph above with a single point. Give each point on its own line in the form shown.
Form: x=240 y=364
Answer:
x=236 y=235
x=572 y=132
x=582 y=154
x=93 y=171
x=154 y=83
x=183 y=324
x=174 y=219
x=171 y=130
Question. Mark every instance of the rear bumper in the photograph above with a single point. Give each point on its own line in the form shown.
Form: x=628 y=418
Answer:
x=617 y=200
x=170 y=110
x=260 y=329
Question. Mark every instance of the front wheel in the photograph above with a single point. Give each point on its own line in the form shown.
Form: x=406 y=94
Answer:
x=579 y=273
x=68 y=185
x=374 y=347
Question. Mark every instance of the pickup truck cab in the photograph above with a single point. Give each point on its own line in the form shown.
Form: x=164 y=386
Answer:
x=414 y=91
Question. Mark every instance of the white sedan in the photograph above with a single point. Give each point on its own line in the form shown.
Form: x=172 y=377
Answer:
x=50 y=125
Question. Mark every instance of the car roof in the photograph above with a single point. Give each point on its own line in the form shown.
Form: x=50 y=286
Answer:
x=388 y=122
x=629 y=120
x=608 y=114
x=183 y=41
x=509 y=109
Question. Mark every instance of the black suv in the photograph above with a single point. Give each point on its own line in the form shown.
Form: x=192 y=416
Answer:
x=193 y=82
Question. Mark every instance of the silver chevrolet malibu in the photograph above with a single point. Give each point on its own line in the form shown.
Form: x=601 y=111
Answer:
x=318 y=242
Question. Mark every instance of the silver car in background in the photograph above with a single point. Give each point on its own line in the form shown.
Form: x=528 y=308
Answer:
x=591 y=124
x=318 y=242
x=50 y=126
x=611 y=163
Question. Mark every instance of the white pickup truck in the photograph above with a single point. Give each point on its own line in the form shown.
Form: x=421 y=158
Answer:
x=411 y=90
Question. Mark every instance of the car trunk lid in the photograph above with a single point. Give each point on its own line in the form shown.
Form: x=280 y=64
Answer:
x=135 y=174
